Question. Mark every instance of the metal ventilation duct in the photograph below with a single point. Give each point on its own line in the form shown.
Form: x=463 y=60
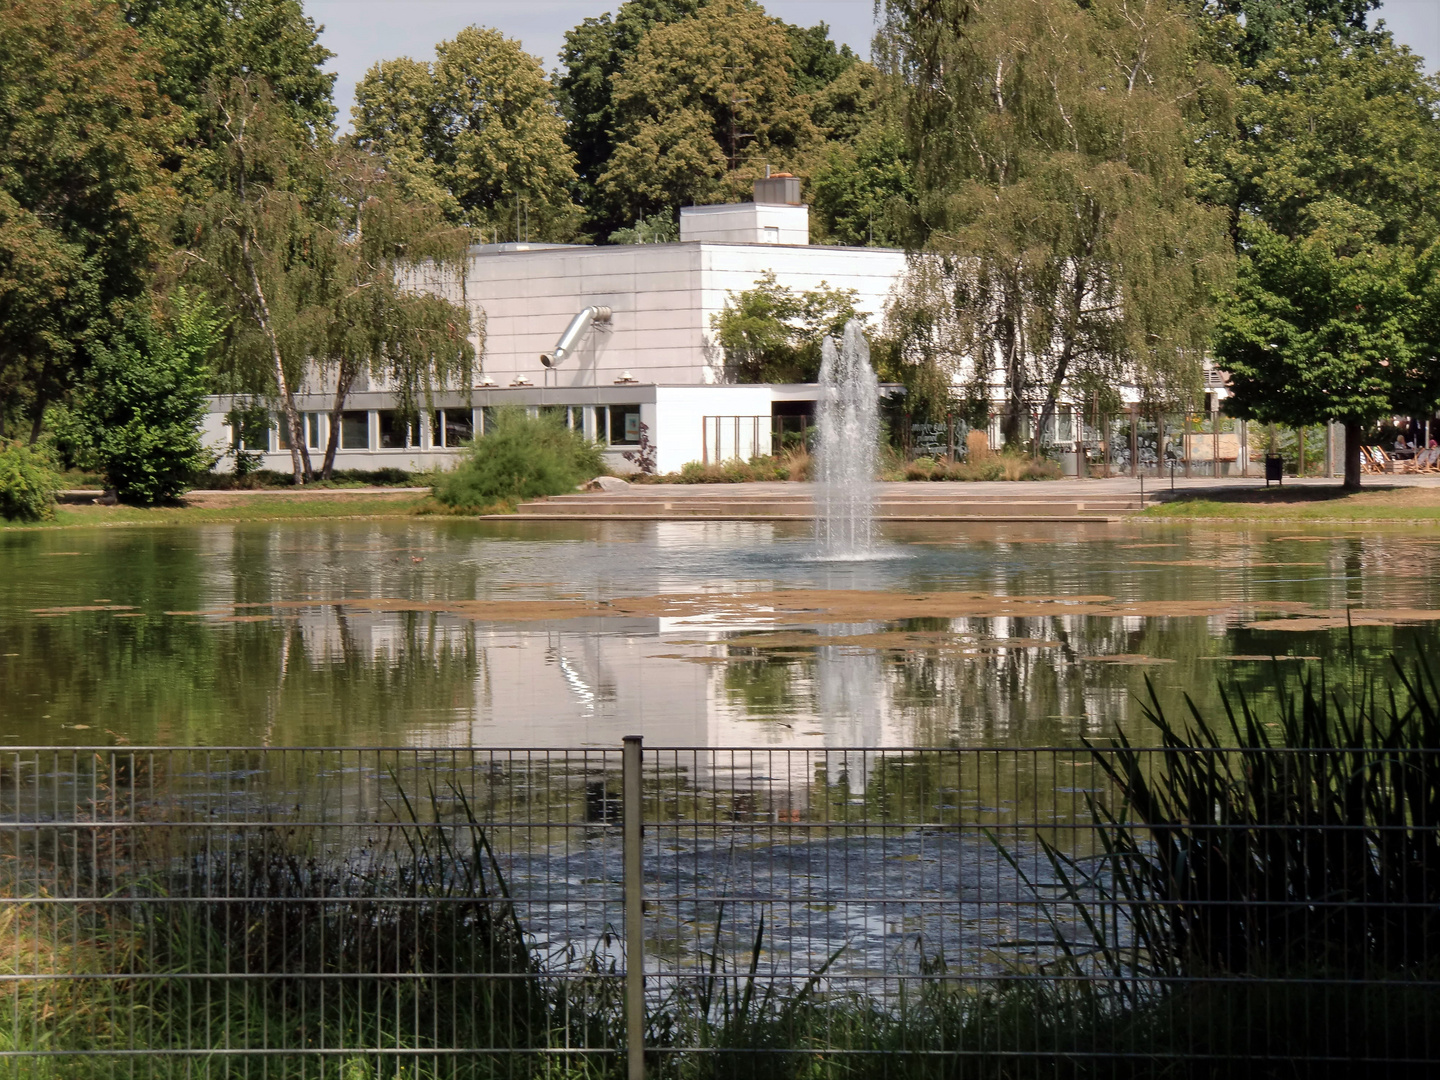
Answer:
x=573 y=333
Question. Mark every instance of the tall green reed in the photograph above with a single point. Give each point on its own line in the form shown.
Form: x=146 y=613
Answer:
x=1268 y=882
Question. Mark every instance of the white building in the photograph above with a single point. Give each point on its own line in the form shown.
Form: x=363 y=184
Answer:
x=615 y=336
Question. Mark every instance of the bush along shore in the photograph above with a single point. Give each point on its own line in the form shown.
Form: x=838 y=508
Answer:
x=1265 y=902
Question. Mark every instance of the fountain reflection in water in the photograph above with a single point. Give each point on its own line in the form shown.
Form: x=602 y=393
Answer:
x=846 y=450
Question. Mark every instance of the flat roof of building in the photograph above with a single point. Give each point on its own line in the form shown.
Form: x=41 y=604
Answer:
x=523 y=247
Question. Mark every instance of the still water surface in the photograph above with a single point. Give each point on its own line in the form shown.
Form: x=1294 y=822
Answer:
x=558 y=634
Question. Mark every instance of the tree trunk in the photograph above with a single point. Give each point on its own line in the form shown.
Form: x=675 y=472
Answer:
x=1014 y=381
x=1352 y=455
x=332 y=444
x=1067 y=352
x=299 y=458
x=37 y=421
x=343 y=381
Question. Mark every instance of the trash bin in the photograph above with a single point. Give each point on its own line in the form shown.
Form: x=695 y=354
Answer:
x=1274 y=469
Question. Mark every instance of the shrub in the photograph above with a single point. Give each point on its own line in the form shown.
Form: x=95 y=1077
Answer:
x=519 y=457
x=790 y=465
x=643 y=457
x=27 y=483
x=140 y=416
x=980 y=464
x=922 y=468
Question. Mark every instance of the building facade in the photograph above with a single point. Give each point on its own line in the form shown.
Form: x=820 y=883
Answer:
x=611 y=338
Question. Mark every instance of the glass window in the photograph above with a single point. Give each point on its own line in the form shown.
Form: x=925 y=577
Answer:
x=249 y=429
x=315 y=430
x=282 y=432
x=398 y=430
x=256 y=437
x=355 y=431
x=572 y=416
x=624 y=425
x=459 y=426
x=487 y=418
x=453 y=427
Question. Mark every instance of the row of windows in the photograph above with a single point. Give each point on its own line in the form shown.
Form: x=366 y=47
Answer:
x=613 y=425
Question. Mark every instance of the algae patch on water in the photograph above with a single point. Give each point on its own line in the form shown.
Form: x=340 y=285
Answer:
x=782 y=608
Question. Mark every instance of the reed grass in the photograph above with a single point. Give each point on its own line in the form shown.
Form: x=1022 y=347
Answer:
x=1268 y=888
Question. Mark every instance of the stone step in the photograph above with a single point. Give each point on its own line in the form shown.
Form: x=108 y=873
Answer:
x=786 y=497
x=894 y=502
x=765 y=508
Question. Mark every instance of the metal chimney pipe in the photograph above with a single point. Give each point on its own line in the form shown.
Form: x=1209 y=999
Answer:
x=573 y=333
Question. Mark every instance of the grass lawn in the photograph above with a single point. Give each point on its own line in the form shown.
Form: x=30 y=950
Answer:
x=1329 y=503
x=230 y=509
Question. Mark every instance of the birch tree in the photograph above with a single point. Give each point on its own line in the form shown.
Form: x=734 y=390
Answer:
x=1049 y=142
x=311 y=243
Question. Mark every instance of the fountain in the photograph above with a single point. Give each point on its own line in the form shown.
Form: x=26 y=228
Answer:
x=846 y=448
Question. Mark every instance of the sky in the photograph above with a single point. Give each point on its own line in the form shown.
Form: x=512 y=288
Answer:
x=360 y=32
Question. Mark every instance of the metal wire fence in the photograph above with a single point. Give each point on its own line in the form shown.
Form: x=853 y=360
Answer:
x=413 y=913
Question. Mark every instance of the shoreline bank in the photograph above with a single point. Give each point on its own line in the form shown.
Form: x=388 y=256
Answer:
x=1396 y=500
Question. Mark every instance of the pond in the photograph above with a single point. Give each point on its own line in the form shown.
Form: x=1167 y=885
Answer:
x=471 y=633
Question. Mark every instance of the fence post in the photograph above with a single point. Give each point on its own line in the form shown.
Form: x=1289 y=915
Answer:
x=631 y=763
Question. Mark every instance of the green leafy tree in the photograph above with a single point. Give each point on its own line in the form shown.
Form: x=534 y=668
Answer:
x=863 y=181
x=83 y=195
x=367 y=318
x=926 y=341
x=661 y=228
x=1337 y=188
x=818 y=62
x=597 y=53
x=861 y=191
x=202 y=44
x=771 y=334
x=477 y=131
x=1320 y=327
x=1050 y=144
x=257 y=244
x=1268 y=23
x=139 y=417
x=701 y=107
x=594 y=52
x=1348 y=116
x=28 y=482
x=317 y=246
